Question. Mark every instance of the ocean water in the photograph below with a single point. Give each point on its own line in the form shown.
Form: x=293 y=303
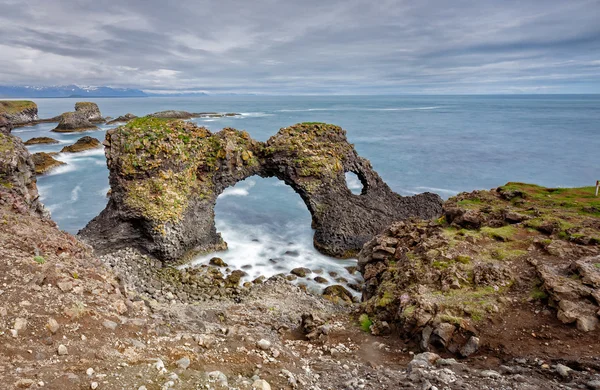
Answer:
x=443 y=144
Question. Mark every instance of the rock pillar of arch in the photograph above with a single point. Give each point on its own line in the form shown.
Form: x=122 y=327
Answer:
x=165 y=178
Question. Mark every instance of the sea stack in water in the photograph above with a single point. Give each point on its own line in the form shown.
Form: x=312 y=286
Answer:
x=18 y=112
x=83 y=118
x=166 y=175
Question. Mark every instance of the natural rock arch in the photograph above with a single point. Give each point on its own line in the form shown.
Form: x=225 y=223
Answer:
x=165 y=178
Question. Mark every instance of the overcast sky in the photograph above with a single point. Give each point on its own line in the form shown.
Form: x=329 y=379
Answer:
x=305 y=46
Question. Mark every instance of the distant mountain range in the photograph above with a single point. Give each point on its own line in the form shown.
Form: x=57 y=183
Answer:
x=65 y=91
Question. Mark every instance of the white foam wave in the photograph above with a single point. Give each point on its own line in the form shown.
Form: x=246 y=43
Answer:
x=61 y=169
x=75 y=193
x=262 y=251
x=253 y=114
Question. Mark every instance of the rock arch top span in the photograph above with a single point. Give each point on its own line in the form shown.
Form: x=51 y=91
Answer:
x=165 y=177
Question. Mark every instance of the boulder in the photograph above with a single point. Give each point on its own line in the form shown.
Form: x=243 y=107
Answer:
x=83 y=118
x=337 y=293
x=72 y=122
x=82 y=144
x=44 y=162
x=40 y=140
x=166 y=175
x=172 y=114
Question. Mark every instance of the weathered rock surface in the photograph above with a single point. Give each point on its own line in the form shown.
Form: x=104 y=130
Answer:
x=444 y=280
x=82 y=144
x=40 y=140
x=166 y=175
x=18 y=112
x=123 y=118
x=5 y=126
x=17 y=177
x=83 y=118
x=44 y=162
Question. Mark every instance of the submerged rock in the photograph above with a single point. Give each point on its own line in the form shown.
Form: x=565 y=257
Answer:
x=44 y=162
x=41 y=140
x=172 y=114
x=166 y=177
x=82 y=144
x=123 y=118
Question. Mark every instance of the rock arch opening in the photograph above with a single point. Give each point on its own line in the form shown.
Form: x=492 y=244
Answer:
x=354 y=184
x=268 y=231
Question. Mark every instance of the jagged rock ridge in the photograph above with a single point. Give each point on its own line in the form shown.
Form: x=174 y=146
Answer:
x=166 y=176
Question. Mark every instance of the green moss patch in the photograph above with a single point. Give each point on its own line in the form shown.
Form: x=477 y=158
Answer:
x=15 y=106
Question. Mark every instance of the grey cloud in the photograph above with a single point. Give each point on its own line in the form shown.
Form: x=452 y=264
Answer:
x=287 y=46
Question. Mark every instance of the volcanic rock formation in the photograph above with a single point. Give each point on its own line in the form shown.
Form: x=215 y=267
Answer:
x=83 y=118
x=166 y=176
x=17 y=179
x=490 y=252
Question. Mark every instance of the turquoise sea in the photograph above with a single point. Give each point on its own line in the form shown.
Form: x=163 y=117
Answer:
x=443 y=144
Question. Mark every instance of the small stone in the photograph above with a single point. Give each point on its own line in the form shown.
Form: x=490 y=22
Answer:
x=261 y=384
x=65 y=286
x=320 y=279
x=159 y=365
x=183 y=363
x=587 y=323
x=109 y=324
x=300 y=271
x=594 y=385
x=94 y=385
x=490 y=374
x=52 y=325
x=20 y=324
x=120 y=307
x=62 y=350
x=217 y=261
x=263 y=344
x=24 y=383
x=89 y=371
x=470 y=347
x=563 y=370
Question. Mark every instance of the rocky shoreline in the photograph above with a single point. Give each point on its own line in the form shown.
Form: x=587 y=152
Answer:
x=499 y=289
